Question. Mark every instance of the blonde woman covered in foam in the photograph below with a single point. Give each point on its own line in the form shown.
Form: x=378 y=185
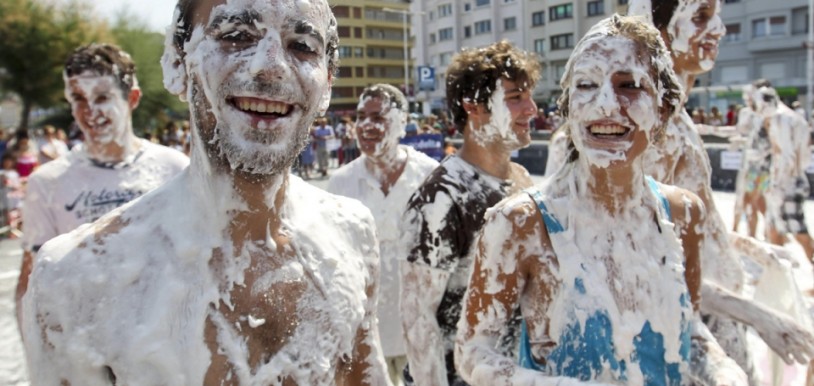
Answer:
x=594 y=257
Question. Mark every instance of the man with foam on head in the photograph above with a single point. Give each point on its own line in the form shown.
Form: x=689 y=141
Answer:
x=489 y=94
x=112 y=166
x=383 y=179
x=235 y=272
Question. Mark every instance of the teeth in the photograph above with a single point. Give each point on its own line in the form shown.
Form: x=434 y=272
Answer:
x=263 y=107
x=607 y=130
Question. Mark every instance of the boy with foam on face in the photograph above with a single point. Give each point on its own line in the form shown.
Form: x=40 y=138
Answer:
x=489 y=94
x=252 y=276
x=383 y=179
x=111 y=167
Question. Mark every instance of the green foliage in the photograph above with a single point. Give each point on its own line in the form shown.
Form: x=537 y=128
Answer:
x=35 y=38
x=146 y=47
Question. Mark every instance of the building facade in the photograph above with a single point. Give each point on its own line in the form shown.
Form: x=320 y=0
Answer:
x=371 y=48
x=764 y=39
x=549 y=28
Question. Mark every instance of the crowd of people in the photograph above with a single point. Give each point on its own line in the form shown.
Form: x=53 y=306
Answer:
x=212 y=263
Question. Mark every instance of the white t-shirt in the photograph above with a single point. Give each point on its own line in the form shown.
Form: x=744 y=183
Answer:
x=355 y=181
x=54 y=147
x=73 y=190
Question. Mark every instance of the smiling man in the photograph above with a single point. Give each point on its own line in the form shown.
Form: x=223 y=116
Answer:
x=236 y=272
x=112 y=166
x=383 y=179
x=489 y=94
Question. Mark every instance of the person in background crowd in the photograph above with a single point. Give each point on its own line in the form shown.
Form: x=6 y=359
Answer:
x=731 y=115
x=51 y=147
x=322 y=133
x=541 y=121
x=26 y=154
x=715 y=117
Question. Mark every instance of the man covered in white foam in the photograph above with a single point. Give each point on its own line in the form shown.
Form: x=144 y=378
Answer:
x=383 y=179
x=489 y=92
x=691 y=30
x=602 y=260
x=110 y=168
x=790 y=138
x=235 y=273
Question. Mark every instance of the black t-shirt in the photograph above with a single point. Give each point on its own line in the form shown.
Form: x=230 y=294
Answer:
x=443 y=217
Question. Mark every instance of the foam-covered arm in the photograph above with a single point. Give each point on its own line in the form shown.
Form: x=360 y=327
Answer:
x=709 y=364
x=783 y=335
x=760 y=252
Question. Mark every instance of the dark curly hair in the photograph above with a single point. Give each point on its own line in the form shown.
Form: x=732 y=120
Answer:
x=473 y=74
x=182 y=32
x=103 y=59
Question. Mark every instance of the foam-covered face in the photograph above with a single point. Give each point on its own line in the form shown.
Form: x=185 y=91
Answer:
x=612 y=102
x=259 y=76
x=99 y=107
x=694 y=33
x=379 y=126
x=507 y=122
x=765 y=100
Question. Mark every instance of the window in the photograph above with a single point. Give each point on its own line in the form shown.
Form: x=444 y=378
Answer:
x=559 y=70
x=483 y=26
x=343 y=32
x=799 y=21
x=510 y=23
x=482 y=3
x=432 y=15
x=360 y=72
x=341 y=11
x=445 y=58
x=342 y=92
x=777 y=25
x=467 y=7
x=537 y=18
x=539 y=46
x=734 y=74
x=432 y=38
x=345 y=72
x=622 y=2
x=731 y=1
x=468 y=31
x=596 y=8
x=358 y=52
x=733 y=33
x=562 y=11
x=559 y=42
x=344 y=52
x=445 y=34
x=444 y=10
x=758 y=28
x=357 y=32
x=773 y=71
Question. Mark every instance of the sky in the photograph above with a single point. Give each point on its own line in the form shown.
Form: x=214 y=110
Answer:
x=156 y=13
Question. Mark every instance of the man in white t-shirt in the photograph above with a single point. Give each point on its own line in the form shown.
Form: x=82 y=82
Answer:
x=111 y=168
x=383 y=179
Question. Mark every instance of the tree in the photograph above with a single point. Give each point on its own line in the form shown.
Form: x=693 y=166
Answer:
x=146 y=47
x=35 y=38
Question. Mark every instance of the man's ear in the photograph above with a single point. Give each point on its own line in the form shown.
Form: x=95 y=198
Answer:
x=134 y=98
x=325 y=101
x=175 y=72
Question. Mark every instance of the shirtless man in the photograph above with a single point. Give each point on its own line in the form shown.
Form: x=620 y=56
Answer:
x=691 y=29
x=110 y=168
x=383 y=179
x=489 y=93
x=234 y=273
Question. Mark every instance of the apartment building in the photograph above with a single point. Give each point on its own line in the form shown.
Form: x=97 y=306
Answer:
x=550 y=28
x=764 y=39
x=371 y=48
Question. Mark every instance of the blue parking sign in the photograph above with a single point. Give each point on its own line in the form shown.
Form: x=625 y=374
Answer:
x=426 y=78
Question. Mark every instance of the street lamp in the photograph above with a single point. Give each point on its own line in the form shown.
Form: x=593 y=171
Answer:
x=404 y=13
